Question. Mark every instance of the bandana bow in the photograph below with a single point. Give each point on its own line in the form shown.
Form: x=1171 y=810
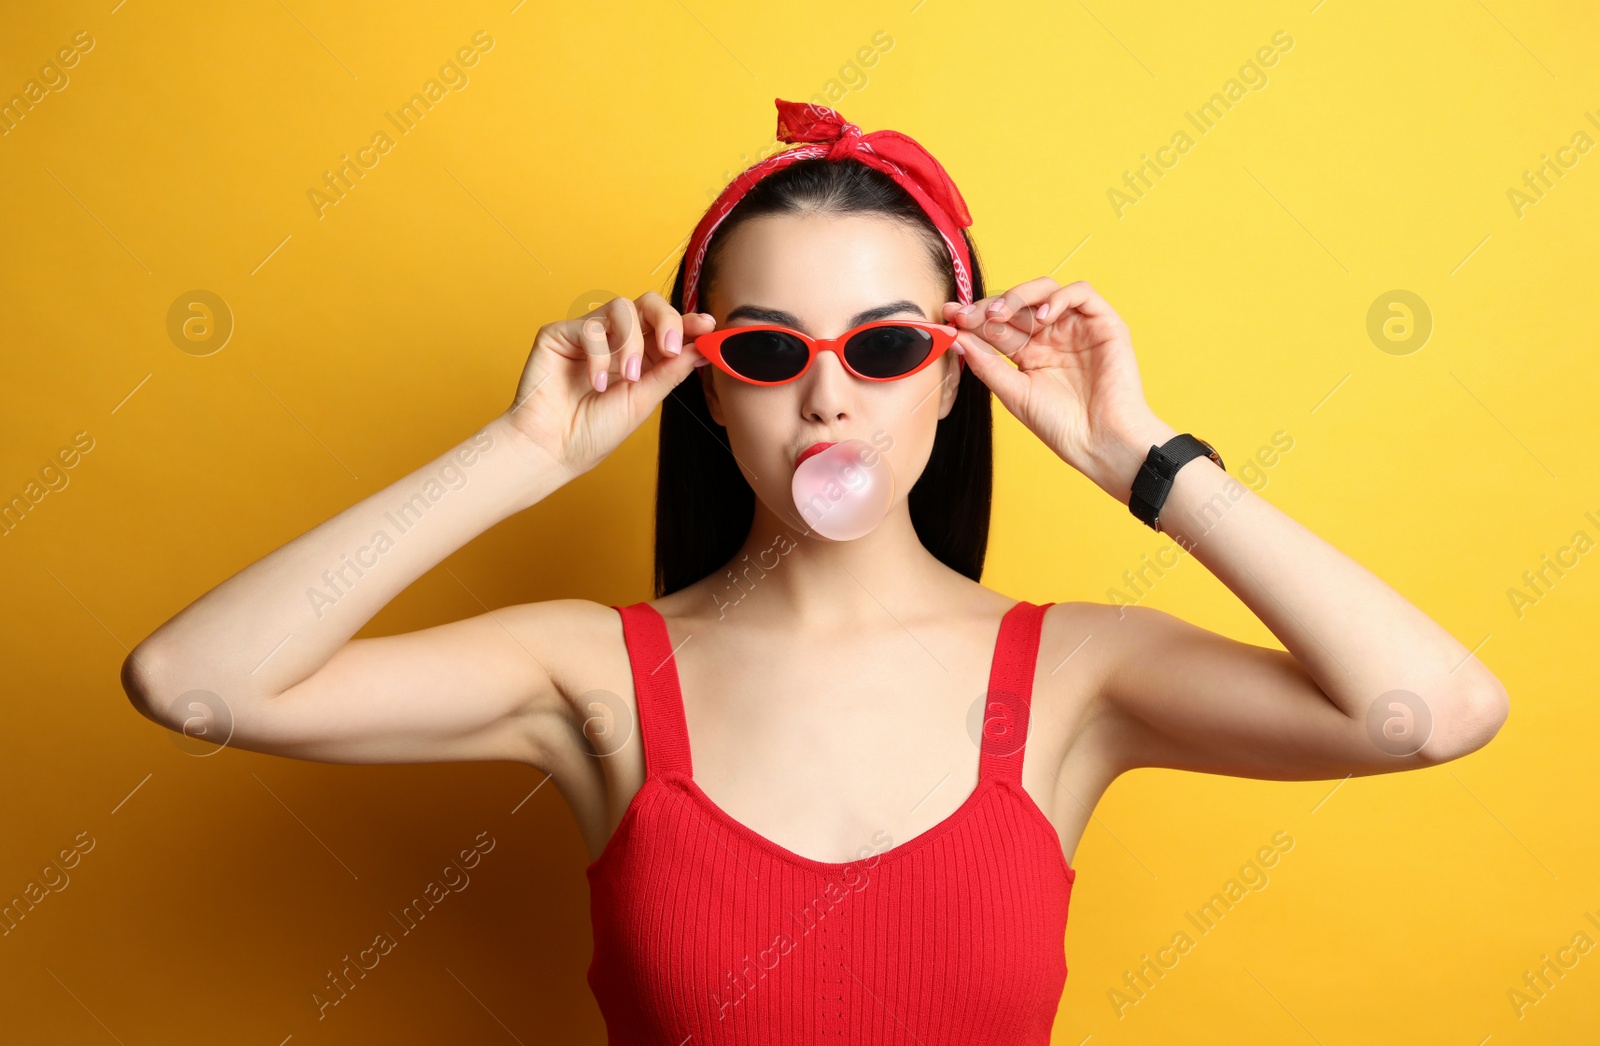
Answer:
x=835 y=138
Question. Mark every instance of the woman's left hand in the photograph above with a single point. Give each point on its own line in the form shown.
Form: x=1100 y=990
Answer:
x=1075 y=383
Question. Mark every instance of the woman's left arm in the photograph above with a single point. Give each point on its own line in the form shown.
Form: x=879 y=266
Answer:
x=1369 y=684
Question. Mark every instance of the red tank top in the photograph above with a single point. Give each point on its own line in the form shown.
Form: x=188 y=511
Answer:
x=706 y=932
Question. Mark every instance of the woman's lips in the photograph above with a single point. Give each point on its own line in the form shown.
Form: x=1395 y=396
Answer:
x=815 y=448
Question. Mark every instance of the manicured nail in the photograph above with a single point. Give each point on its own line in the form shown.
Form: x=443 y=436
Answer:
x=600 y=382
x=1044 y=310
x=701 y=362
x=967 y=308
x=997 y=305
x=674 y=343
x=631 y=368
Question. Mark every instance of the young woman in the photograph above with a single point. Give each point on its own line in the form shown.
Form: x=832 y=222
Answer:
x=842 y=778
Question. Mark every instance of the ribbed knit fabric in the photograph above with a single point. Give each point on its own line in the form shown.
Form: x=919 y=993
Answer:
x=706 y=932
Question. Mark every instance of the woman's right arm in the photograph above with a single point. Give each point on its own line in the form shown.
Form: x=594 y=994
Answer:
x=265 y=661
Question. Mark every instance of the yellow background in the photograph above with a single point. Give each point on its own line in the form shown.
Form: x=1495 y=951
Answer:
x=1378 y=156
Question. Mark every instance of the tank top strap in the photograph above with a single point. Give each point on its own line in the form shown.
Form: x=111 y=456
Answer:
x=1010 y=695
x=655 y=687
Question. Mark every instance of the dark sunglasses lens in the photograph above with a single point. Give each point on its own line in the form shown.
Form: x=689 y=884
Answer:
x=765 y=355
x=888 y=352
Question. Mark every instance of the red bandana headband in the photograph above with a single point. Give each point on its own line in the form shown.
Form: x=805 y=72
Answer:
x=891 y=152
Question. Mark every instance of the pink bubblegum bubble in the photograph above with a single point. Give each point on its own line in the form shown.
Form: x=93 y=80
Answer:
x=845 y=491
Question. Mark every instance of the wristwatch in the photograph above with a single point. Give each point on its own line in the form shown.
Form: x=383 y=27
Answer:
x=1154 y=481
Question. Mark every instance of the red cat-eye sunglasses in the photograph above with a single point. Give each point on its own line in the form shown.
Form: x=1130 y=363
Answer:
x=885 y=350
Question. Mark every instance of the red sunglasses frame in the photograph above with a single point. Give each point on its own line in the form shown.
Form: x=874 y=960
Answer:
x=710 y=346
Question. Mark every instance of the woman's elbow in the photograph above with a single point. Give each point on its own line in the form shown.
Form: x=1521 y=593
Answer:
x=142 y=682
x=1470 y=726
x=138 y=679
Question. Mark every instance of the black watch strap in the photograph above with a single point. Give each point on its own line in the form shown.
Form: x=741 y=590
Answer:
x=1154 y=481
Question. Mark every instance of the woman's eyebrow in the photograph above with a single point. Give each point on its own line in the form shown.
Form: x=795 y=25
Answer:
x=788 y=319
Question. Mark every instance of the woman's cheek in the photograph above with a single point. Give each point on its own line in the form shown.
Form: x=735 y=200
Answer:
x=755 y=437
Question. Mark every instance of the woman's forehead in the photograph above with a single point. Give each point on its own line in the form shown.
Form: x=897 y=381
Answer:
x=824 y=269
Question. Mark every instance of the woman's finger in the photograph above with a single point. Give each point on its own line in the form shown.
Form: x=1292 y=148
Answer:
x=1017 y=305
x=1023 y=308
x=1007 y=382
x=669 y=370
x=611 y=332
x=662 y=333
x=689 y=327
x=988 y=314
x=1023 y=295
x=593 y=339
x=1002 y=334
x=1085 y=299
x=967 y=317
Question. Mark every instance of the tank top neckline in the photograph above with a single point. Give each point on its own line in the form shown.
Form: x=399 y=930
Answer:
x=659 y=702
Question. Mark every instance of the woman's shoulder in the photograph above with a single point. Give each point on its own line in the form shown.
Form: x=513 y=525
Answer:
x=1066 y=629
x=986 y=601
x=568 y=636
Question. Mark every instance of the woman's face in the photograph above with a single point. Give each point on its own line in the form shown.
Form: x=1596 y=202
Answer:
x=822 y=275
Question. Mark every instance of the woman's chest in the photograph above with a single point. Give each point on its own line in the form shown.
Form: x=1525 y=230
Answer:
x=700 y=929
x=826 y=773
x=822 y=756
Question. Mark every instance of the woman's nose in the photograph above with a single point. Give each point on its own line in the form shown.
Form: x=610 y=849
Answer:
x=826 y=388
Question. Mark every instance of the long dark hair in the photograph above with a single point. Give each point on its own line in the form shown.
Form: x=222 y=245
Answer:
x=704 y=506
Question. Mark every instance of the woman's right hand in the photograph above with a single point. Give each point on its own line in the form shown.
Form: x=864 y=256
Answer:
x=576 y=400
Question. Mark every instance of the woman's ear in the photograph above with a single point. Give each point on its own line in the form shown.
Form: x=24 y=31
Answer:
x=708 y=388
x=952 y=383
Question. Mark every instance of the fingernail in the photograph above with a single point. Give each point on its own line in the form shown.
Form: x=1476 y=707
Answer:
x=631 y=368
x=967 y=308
x=997 y=305
x=701 y=362
x=674 y=342
x=1044 y=310
x=600 y=382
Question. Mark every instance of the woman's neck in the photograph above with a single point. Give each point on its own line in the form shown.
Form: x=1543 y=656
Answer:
x=797 y=576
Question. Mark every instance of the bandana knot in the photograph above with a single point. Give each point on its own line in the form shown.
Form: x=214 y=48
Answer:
x=849 y=143
x=828 y=135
